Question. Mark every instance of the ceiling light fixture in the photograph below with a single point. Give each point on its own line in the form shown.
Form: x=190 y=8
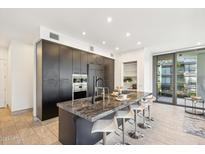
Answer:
x=117 y=48
x=103 y=42
x=128 y=34
x=109 y=19
x=199 y=43
x=138 y=43
x=84 y=33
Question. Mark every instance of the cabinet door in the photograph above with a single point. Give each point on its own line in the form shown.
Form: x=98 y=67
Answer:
x=84 y=62
x=91 y=74
x=109 y=73
x=99 y=60
x=66 y=63
x=91 y=58
x=50 y=98
x=50 y=61
x=66 y=68
x=65 y=92
x=76 y=61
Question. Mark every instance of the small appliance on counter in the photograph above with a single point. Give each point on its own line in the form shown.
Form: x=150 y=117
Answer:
x=79 y=86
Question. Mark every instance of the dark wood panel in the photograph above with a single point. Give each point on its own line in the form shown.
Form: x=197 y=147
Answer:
x=84 y=62
x=91 y=58
x=109 y=73
x=50 y=61
x=66 y=62
x=65 y=92
x=91 y=73
x=50 y=98
x=99 y=60
x=67 y=128
x=76 y=61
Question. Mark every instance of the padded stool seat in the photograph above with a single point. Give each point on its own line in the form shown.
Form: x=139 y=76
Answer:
x=104 y=126
x=123 y=114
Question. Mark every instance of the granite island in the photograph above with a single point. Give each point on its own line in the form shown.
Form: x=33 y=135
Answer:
x=76 y=118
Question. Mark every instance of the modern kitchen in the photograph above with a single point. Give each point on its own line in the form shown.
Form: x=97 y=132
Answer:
x=78 y=86
x=67 y=81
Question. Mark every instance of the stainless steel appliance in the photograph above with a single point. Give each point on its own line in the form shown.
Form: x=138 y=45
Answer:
x=79 y=86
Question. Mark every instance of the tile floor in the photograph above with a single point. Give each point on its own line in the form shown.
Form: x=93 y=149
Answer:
x=167 y=128
x=21 y=129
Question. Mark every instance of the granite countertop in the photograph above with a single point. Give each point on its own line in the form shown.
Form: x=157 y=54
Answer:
x=92 y=112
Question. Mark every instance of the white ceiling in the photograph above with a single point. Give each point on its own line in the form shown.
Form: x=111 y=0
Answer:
x=150 y=26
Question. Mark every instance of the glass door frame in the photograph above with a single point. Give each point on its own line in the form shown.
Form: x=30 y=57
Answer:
x=155 y=59
x=173 y=83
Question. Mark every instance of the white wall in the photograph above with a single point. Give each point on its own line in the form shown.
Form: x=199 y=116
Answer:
x=127 y=57
x=3 y=53
x=4 y=57
x=20 y=74
x=74 y=42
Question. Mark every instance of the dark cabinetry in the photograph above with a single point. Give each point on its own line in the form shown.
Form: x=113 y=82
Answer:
x=95 y=59
x=80 y=62
x=109 y=73
x=84 y=62
x=55 y=65
x=50 y=61
x=76 y=62
x=66 y=70
x=54 y=77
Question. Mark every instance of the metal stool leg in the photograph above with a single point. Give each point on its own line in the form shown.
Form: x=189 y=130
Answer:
x=149 y=111
x=104 y=138
x=123 y=132
x=144 y=125
x=136 y=134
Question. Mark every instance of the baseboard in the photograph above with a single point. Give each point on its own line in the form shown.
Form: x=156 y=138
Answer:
x=21 y=111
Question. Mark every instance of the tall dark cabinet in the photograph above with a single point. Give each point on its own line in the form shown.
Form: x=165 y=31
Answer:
x=66 y=70
x=55 y=65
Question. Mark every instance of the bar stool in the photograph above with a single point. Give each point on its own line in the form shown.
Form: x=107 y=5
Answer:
x=123 y=114
x=150 y=99
x=144 y=105
x=104 y=126
x=136 y=108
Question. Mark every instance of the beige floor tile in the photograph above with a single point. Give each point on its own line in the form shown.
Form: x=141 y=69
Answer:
x=12 y=140
x=51 y=139
x=9 y=131
x=42 y=131
x=26 y=132
x=22 y=125
x=31 y=140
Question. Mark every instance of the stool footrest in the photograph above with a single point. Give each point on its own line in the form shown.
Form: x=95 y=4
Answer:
x=144 y=125
x=136 y=135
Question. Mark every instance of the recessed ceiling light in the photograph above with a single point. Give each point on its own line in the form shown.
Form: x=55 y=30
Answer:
x=138 y=43
x=117 y=48
x=103 y=42
x=198 y=43
x=128 y=34
x=109 y=19
x=84 y=33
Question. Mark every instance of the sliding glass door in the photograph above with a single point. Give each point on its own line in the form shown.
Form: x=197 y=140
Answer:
x=186 y=74
x=179 y=75
x=164 y=77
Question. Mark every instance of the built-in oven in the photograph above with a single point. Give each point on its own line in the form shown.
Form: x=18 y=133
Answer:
x=79 y=86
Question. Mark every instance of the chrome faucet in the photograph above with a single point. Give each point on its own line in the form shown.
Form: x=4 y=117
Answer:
x=96 y=88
